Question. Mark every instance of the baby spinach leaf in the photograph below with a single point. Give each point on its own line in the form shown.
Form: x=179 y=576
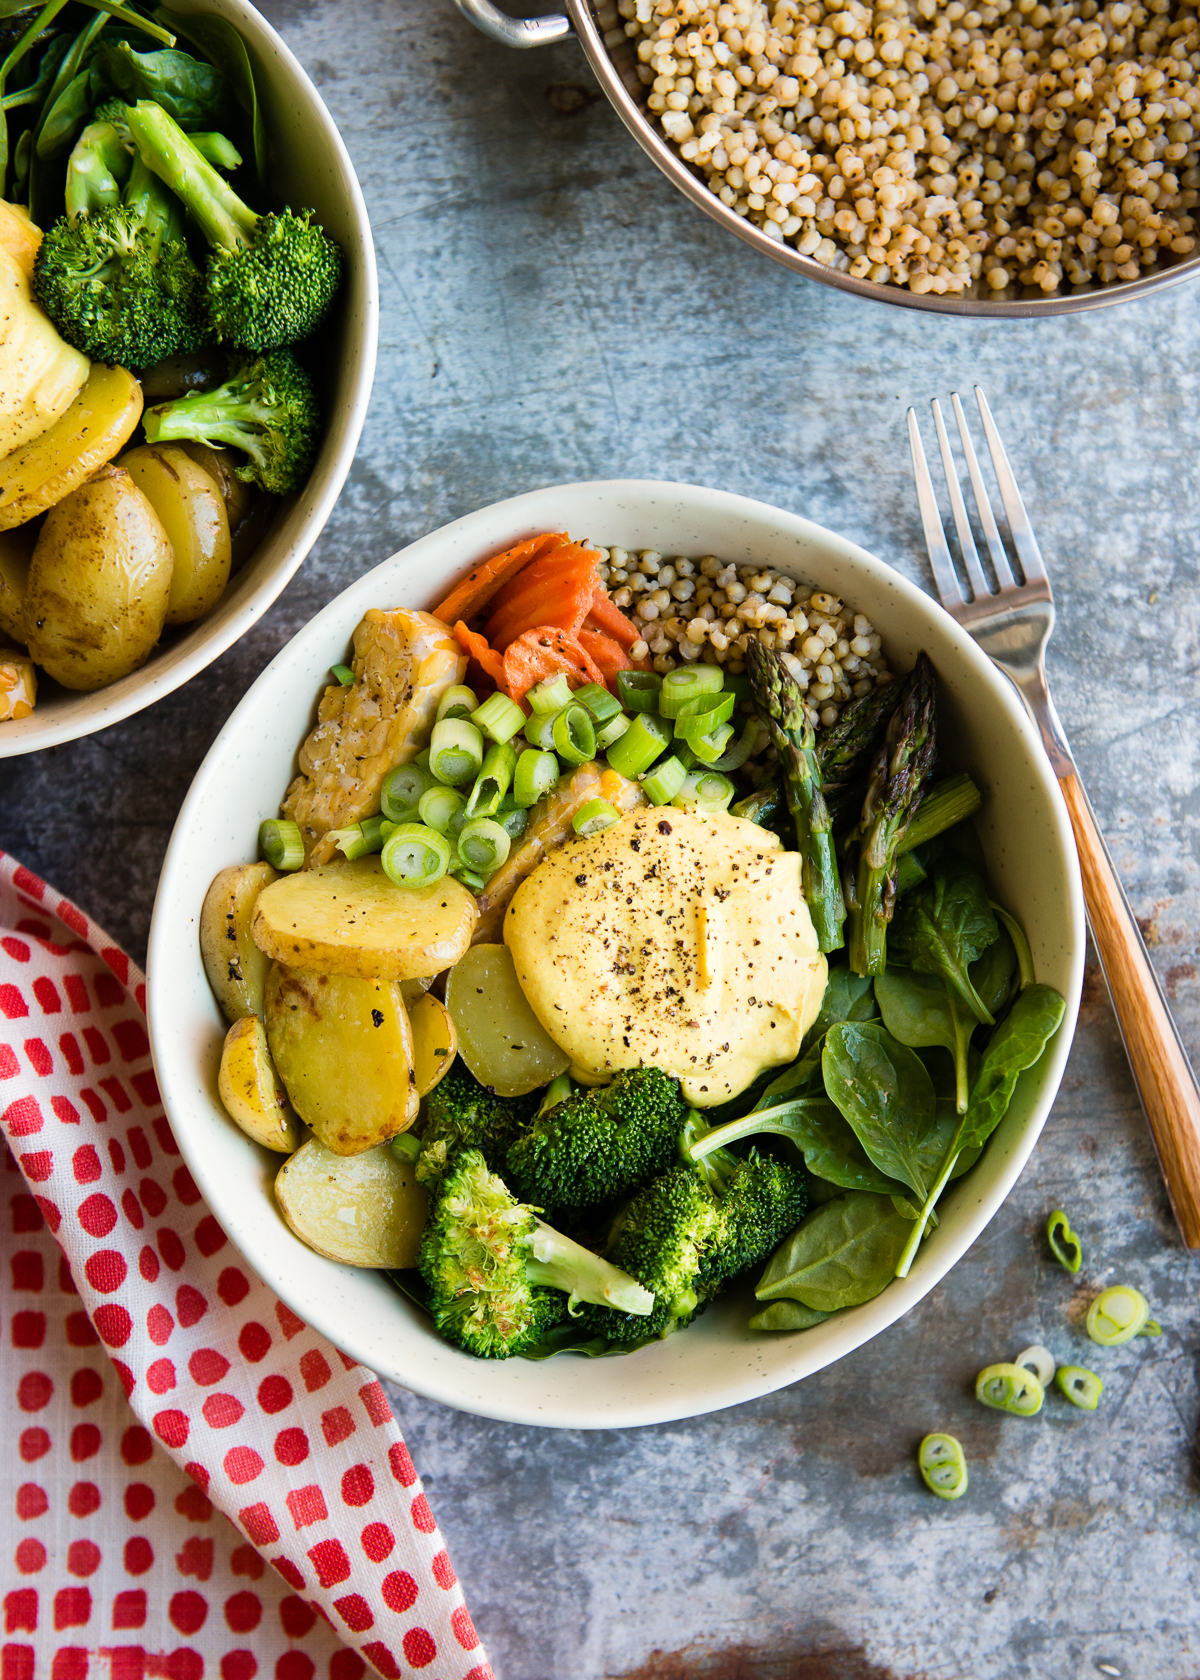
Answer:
x=848 y=997
x=842 y=1255
x=884 y=1090
x=992 y=974
x=788 y=1315
x=1011 y=926
x=194 y=93
x=220 y=41
x=1016 y=1044
x=832 y=1151
x=919 y=1011
x=943 y=925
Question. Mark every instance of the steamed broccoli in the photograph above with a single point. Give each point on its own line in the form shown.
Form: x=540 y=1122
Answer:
x=266 y=408
x=270 y=279
x=761 y=1199
x=116 y=278
x=498 y=1277
x=599 y=1144
x=460 y=1113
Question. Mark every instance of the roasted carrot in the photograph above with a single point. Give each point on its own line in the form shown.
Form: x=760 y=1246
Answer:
x=488 y=660
x=611 y=621
x=468 y=598
x=541 y=653
x=556 y=589
x=608 y=655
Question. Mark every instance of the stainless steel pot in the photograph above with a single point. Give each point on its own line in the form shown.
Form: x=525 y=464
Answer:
x=615 y=66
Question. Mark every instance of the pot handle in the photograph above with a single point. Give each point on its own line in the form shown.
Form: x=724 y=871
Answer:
x=515 y=32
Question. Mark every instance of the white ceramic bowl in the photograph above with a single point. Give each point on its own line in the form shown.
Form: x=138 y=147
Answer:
x=309 y=166
x=717 y=1361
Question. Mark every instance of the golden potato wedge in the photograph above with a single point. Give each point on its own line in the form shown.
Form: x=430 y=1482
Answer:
x=348 y=918
x=219 y=464
x=499 y=1037
x=19 y=236
x=18 y=684
x=250 y=1089
x=16 y=551
x=98 y=583
x=40 y=374
x=236 y=968
x=98 y=423
x=343 y=1048
x=435 y=1041
x=364 y=1210
x=193 y=515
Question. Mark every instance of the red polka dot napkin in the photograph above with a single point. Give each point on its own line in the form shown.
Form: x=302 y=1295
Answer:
x=214 y=1402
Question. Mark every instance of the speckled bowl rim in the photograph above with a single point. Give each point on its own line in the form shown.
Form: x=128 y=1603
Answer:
x=302 y=518
x=716 y=1362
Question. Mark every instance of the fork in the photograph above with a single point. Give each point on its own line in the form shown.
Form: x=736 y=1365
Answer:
x=1012 y=623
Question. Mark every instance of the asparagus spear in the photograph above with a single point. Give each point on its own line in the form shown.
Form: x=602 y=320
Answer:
x=898 y=776
x=943 y=804
x=846 y=748
x=781 y=706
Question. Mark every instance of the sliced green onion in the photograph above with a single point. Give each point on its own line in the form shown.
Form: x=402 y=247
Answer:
x=443 y=808
x=684 y=687
x=493 y=781
x=558 y=1090
x=459 y=701
x=551 y=694
x=708 y=748
x=470 y=879
x=685 y=755
x=483 y=846
x=499 y=717
x=639 y=690
x=387 y=829
x=1010 y=1389
x=1082 y=1387
x=595 y=817
x=739 y=685
x=704 y=713
x=360 y=839
x=513 y=821
x=1064 y=1244
x=422 y=760
x=943 y=1466
x=746 y=745
x=644 y=741
x=344 y=675
x=1040 y=1361
x=539 y=730
x=600 y=704
x=415 y=856
x=704 y=790
x=402 y=790
x=612 y=730
x=280 y=843
x=1118 y=1314
x=574 y=735
x=456 y=751
x=535 y=776
x=663 y=782
x=406 y=1147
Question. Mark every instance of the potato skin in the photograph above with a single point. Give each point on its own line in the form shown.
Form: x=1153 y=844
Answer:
x=98 y=583
x=343 y=1048
x=250 y=1088
x=236 y=968
x=193 y=515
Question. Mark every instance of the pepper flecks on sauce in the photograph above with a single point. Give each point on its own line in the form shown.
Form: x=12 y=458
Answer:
x=689 y=947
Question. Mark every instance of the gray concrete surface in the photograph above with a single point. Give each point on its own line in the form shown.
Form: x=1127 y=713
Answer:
x=552 y=310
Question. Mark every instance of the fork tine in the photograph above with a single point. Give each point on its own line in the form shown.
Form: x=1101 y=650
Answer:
x=962 y=523
x=1003 y=570
x=1024 y=541
x=935 y=538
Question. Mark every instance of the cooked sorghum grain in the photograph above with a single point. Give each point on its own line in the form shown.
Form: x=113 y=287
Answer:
x=962 y=149
x=706 y=611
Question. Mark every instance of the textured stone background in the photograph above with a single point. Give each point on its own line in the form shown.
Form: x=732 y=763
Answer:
x=553 y=310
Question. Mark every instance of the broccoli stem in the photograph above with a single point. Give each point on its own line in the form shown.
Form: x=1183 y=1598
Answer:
x=223 y=218
x=557 y=1262
x=98 y=166
x=155 y=208
x=781 y=1120
x=556 y=1092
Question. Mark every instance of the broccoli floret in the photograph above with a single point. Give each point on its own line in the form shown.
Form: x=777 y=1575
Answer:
x=498 y=1277
x=266 y=408
x=599 y=1144
x=117 y=279
x=762 y=1201
x=270 y=279
x=460 y=1113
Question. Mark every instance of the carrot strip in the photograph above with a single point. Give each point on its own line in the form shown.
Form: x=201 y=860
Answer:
x=484 y=656
x=556 y=589
x=611 y=621
x=543 y=652
x=609 y=656
x=468 y=598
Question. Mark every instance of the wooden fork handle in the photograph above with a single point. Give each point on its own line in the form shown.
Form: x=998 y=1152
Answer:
x=1161 y=1071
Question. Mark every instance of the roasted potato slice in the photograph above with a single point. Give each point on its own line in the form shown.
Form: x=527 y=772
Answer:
x=219 y=464
x=236 y=968
x=499 y=1037
x=98 y=583
x=193 y=515
x=435 y=1042
x=364 y=1210
x=343 y=1048
x=98 y=423
x=40 y=374
x=16 y=551
x=348 y=918
x=19 y=236
x=250 y=1089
